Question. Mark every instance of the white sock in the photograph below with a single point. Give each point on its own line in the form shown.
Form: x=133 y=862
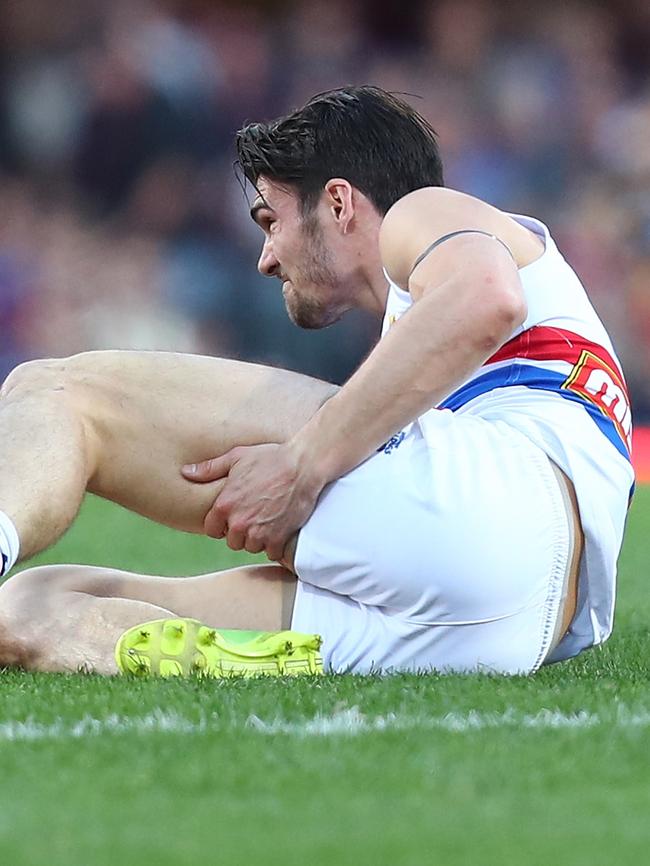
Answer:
x=9 y=543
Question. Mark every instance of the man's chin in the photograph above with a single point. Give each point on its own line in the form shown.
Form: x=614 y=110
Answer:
x=309 y=317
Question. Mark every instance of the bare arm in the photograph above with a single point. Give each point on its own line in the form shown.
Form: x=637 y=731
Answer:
x=467 y=302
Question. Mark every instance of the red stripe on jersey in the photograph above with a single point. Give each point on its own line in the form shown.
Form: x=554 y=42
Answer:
x=595 y=377
x=541 y=343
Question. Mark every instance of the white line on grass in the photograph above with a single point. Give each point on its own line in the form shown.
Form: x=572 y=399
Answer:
x=346 y=722
x=352 y=721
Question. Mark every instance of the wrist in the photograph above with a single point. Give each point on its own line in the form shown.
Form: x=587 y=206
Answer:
x=313 y=454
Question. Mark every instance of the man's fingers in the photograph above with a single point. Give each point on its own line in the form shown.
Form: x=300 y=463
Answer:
x=254 y=545
x=216 y=521
x=209 y=470
x=254 y=541
x=275 y=549
x=235 y=538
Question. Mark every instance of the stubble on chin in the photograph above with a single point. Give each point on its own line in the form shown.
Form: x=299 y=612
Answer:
x=309 y=314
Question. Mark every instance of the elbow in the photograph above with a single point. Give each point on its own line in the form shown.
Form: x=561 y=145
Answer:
x=507 y=312
x=512 y=310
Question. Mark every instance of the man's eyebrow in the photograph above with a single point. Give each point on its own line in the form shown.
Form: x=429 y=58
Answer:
x=258 y=205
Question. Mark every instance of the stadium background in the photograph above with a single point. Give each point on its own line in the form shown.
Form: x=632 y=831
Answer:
x=122 y=223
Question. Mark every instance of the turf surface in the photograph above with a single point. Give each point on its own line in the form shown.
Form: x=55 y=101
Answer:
x=405 y=770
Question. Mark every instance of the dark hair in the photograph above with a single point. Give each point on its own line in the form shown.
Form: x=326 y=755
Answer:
x=374 y=140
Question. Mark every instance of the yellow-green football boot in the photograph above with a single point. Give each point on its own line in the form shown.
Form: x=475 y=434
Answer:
x=185 y=647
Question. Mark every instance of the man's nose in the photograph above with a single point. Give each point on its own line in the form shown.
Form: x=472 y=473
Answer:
x=268 y=264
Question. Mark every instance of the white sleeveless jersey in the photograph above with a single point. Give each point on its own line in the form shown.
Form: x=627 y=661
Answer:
x=558 y=381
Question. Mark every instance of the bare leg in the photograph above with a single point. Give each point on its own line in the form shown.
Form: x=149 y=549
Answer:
x=68 y=618
x=121 y=424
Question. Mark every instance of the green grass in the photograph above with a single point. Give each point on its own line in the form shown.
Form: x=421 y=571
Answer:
x=456 y=770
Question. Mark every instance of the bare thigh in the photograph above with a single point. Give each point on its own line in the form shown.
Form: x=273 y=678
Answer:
x=148 y=413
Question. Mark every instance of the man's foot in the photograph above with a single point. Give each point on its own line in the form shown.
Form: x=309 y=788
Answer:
x=182 y=647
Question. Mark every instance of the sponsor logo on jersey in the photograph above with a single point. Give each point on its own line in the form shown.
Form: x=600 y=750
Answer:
x=393 y=443
x=595 y=380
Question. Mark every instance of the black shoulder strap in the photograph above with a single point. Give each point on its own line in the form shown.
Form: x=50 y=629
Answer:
x=444 y=238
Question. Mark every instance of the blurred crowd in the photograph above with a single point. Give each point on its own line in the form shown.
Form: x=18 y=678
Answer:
x=122 y=223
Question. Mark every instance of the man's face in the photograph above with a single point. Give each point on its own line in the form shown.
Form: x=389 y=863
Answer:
x=296 y=252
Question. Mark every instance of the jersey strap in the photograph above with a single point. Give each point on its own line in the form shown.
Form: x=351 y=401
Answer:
x=590 y=377
x=444 y=238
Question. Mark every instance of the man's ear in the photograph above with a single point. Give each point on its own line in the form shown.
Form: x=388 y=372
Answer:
x=340 y=201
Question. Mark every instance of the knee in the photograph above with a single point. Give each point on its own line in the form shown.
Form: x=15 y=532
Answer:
x=27 y=592
x=27 y=601
x=66 y=380
x=19 y=610
x=69 y=376
x=33 y=376
x=78 y=385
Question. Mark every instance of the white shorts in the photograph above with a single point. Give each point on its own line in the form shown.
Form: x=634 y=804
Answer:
x=448 y=553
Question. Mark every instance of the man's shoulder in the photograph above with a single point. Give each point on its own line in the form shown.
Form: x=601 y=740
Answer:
x=425 y=215
x=440 y=207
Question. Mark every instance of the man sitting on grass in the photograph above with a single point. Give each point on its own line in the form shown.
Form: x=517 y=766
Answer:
x=458 y=504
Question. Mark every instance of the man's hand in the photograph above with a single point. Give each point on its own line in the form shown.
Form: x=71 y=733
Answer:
x=268 y=496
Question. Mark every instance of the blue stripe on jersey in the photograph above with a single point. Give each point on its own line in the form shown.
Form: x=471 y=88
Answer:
x=539 y=379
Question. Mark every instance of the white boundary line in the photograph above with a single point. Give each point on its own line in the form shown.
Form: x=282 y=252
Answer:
x=347 y=722
x=352 y=721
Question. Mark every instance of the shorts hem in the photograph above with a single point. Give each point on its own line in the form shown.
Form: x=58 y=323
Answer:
x=561 y=536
